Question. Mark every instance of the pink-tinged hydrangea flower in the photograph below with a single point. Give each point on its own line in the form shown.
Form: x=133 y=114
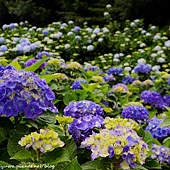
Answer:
x=24 y=92
x=120 y=143
x=82 y=108
x=154 y=128
x=120 y=87
x=160 y=153
x=135 y=112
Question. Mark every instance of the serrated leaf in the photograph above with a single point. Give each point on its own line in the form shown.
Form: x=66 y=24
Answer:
x=13 y=147
x=22 y=155
x=56 y=156
x=165 y=123
x=152 y=165
x=48 y=77
x=36 y=65
x=47 y=117
x=74 y=165
x=15 y=64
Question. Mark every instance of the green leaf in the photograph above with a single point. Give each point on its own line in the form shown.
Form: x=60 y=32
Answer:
x=13 y=147
x=71 y=96
x=148 y=138
x=47 y=117
x=152 y=165
x=6 y=123
x=48 y=77
x=56 y=156
x=140 y=167
x=91 y=165
x=166 y=142
x=22 y=155
x=165 y=123
x=74 y=165
x=15 y=64
x=32 y=123
x=2 y=134
x=36 y=65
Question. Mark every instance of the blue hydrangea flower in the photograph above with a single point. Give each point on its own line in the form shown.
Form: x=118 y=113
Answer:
x=25 y=93
x=135 y=112
x=142 y=68
x=2 y=40
x=153 y=98
x=77 y=84
x=155 y=129
x=32 y=61
x=3 y=48
x=114 y=71
x=82 y=108
x=45 y=31
x=127 y=80
x=90 y=67
x=169 y=80
x=83 y=127
x=166 y=100
x=160 y=153
x=76 y=29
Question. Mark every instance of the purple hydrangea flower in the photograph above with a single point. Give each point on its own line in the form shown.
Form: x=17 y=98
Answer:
x=92 y=68
x=142 y=68
x=108 y=78
x=160 y=153
x=77 y=84
x=25 y=93
x=82 y=108
x=40 y=54
x=45 y=31
x=135 y=112
x=83 y=127
x=169 y=80
x=127 y=80
x=153 y=98
x=114 y=71
x=155 y=129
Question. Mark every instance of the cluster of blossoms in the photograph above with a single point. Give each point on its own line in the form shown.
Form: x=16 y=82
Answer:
x=24 y=92
x=114 y=71
x=155 y=99
x=121 y=143
x=135 y=112
x=155 y=129
x=82 y=108
x=120 y=88
x=142 y=68
x=160 y=153
x=88 y=116
x=90 y=67
x=111 y=123
x=77 y=84
x=83 y=127
x=127 y=80
x=46 y=140
x=39 y=56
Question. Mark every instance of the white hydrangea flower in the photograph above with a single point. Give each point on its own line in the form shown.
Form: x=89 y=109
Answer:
x=160 y=60
x=167 y=43
x=153 y=55
x=100 y=39
x=157 y=37
x=70 y=33
x=153 y=27
x=143 y=31
x=106 y=14
x=67 y=46
x=108 y=6
x=156 y=68
x=141 y=61
x=116 y=56
x=132 y=24
x=148 y=34
x=70 y=22
x=127 y=69
x=142 y=45
x=90 y=48
x=157 y=48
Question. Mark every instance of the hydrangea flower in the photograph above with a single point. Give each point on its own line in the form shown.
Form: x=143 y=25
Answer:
x=142 y=68
x=114 y=71
x=82 y=108
x=43 y=53
x=111 y=123
x=154 y=128
x=160 y=153
x=120 y=88
x=24 y=92
x=83 y=127
x=153 y=98
x=46 y=140
x=120 y=143
x=127 y=80
x=108 y=78
x=77 y=84
x=135 y=112
x=90 y=67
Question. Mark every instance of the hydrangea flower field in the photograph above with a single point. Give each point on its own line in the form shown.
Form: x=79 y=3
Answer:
x=84 y=98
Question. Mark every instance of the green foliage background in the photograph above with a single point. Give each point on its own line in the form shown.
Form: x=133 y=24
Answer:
x=42 y=12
